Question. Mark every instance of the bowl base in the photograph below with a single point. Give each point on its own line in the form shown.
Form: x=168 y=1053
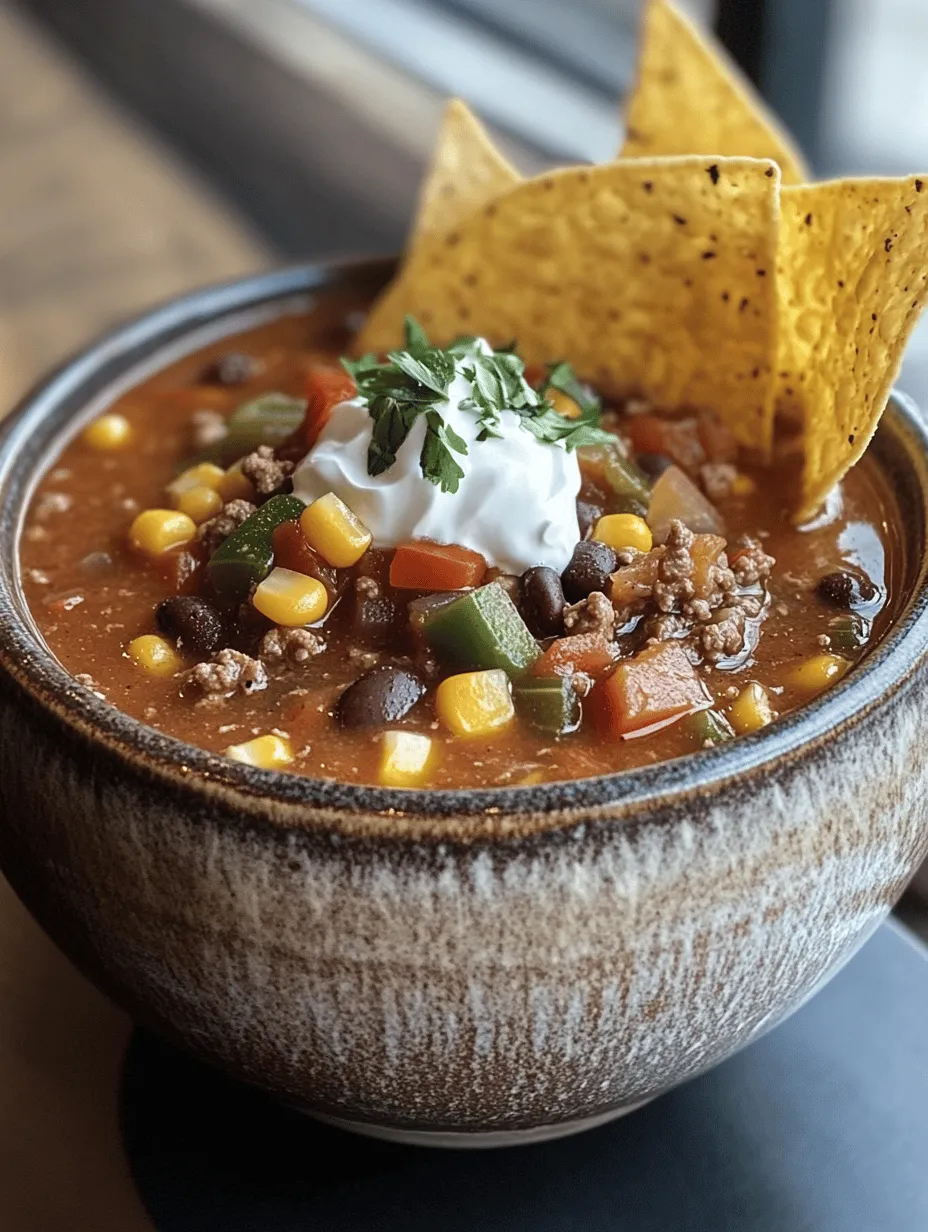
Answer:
x=458 y=1140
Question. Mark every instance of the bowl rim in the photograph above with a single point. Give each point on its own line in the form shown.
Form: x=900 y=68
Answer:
x=337 y=809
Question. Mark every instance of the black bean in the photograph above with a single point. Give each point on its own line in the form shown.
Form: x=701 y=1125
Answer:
x=195 y=624
x=653 y=464
x=232 y=369
x=844 y=589
x=588 y=570
x=382 y=695
x=542 y=604
x=588 y=515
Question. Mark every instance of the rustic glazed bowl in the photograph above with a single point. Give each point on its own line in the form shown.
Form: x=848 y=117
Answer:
x=464 y=967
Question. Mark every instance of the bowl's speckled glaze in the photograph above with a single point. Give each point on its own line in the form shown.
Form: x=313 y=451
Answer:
x=450 y=966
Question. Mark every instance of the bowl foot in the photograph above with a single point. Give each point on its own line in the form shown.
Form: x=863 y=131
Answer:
x=476 y=1139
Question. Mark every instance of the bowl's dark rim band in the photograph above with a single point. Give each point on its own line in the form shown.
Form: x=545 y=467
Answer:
x=27 y=661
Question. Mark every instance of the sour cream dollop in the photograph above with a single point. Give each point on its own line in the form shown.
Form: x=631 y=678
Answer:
x=516 y=503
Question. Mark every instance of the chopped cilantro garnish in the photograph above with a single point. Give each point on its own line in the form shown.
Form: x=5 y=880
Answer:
x=415 y=381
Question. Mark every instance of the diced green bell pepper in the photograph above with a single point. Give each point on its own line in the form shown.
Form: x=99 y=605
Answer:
x=709 y=727
x=627 y=479
x=548 y=703
x=482 y=629
x=267 y=420
x=247 y=556
x=847 y=633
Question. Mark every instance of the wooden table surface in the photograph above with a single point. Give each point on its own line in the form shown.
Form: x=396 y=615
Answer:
x=96 y=221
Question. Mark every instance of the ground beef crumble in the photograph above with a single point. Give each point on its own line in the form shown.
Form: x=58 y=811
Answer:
x=266 y=471
x=750 y=563
x=594 y=614
x=718 y=479
x=715 y=621
x=290 y=647
x=216 y=530
x=209 y=428
x=228 y=672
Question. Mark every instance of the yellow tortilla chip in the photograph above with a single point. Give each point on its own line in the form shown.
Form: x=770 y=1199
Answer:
x=691 y=98
x=466 y=172
x=653 y=278
x=853 y=279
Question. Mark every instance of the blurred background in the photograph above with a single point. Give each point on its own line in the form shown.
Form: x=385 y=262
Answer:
x=306 y=123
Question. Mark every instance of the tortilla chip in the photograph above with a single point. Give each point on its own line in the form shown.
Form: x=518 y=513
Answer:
x=654 y=278
x=853 y=281
x=467 y=171
x=691 y=98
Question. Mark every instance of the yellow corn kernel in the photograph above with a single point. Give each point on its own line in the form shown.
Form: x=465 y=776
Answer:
x=290 y=598
x=333 y=530
x=154 y=655
x=156 y=531
x=743 y=485
x=203 y=475
x=404 y=758
x=200 y=503
x=563 y=404
x=751 y=709
x=108 y=433
x=266 y=752
x=475 y=703
x=818 y=672
x=234 y=485
x=624 y=530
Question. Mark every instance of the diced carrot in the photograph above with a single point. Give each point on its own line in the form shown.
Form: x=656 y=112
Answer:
x=634 y=582
x=292 y=551
x=590 y=653
x=677 y=439
x=650 y=691
x=421 y=564
x=326 y=386
x=705 y=552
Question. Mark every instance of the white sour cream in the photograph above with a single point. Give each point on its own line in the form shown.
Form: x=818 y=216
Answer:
x=516 y=503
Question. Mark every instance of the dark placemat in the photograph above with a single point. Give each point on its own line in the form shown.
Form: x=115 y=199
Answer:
x=820 y=1127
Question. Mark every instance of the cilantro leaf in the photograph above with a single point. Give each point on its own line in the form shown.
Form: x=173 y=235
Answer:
x=414 y=335
x=438 y=465
x=414 y=382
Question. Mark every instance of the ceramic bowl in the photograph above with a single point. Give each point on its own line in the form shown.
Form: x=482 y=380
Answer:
x=465 y=967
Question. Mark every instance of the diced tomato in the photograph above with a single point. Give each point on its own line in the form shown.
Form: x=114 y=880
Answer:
x=535 y=374
x=590 y=653
x=705 y=552
x=326 y=386
x=292 y=551
x=420 y=564
x=181 y=570
x=634 y=582
x=650 y=691
x=677 y=439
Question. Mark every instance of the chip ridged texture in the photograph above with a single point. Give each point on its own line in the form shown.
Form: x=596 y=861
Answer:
x=466 y=172
x=654 y=278
x=690 y=98
x=853 y=278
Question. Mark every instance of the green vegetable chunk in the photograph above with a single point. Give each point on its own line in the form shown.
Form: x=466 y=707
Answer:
x=482 y=629
x=627 y=480
x=848 y=633
x=267 y=420
x=709 y=727
x=247 y=556
x=549 y=703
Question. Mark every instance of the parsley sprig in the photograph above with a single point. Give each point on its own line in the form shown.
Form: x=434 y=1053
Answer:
x=414 y=382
